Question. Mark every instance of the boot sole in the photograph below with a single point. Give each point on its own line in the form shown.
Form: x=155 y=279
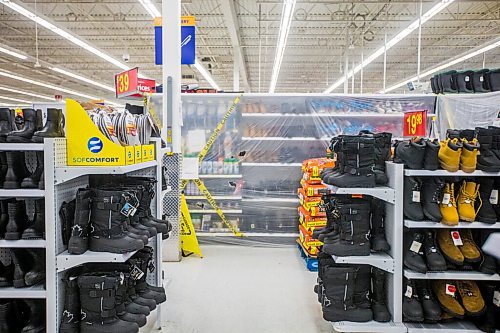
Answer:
x=37 y=330
x=476 y=314
x=12 y=236
x=467 y=169
x=10 y=185
x=19 y=283
x=414 y=268
x=472 y=261
x=487 y=168
x=454 y=262
x=413 y=319
x=32 y=236
x=102 y=246
x=450 y=168
x=430 y=217
x=466 y=219
x=486 y=220
x=451 y=313
x=448 y=223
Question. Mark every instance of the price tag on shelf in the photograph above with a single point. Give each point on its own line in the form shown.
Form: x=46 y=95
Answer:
x=126 y=83
x=415 y=123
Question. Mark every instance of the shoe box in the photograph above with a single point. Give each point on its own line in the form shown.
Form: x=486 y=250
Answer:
x=312 y=168
x=309 y=222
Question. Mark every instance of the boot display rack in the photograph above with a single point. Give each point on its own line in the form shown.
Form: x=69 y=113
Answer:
x=392 y=262
x=61 y=183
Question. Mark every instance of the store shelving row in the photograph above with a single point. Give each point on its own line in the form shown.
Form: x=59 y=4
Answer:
x=439 y=225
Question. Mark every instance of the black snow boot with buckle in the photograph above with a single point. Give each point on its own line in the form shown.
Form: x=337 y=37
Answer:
x=26 y=133
x=53 y=127
x=121 y=303
x=7 y=124
x=71 y=315
x=379 y=296
x=382 y=154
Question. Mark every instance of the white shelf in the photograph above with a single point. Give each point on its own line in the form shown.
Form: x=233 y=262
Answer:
x=21 y=146
x=445 y=173
x=29 y=292
x=212 y=211
x=280 y=138
x=377 y=259
x=328 y=115
x=163 y=192
x=23 y=243
x=219 y=176
x=452 y=275
x=220 y=197
x=247 y=234
x=66 y=173
x=22 y=192
x=272 y=164
x=453 y=327
x=382 y=192
x=264 y=199
x=461 y=225
x=66 y=261
x=371 y=326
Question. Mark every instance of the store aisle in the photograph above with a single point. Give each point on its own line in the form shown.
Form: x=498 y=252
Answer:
x=243 y=290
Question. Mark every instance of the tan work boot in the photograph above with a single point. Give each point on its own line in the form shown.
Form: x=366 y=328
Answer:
x=466 y=201
x=472 y=300
x=469 y=249
x=450 y=251
x=446 y=293
x=449 y=154
x=448 y=206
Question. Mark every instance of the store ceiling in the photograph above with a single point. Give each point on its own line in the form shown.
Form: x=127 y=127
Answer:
x=321 y=32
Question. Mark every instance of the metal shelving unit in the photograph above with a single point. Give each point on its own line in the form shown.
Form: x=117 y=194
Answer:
x=452 y=275
x=382 y=192
x=272 y=164
x=372 y=326
x=454 y=327
x=23 y=243
x=461 y=225
x=22 y=193
x=36 y=291
x=212 y=211
x=377 y=259
x=21 y=146
x=214 y=176
x=445 y=173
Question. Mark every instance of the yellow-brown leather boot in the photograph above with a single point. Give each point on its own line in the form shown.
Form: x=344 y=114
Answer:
x=468 y=158
x=469 y=249
x=466 y=201
x=450 y=251
x=448 y=206
x=449 y=154
x=472 y=300
x=446 y=292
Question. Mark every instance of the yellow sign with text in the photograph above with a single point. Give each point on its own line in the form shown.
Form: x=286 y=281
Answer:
x=189 y=242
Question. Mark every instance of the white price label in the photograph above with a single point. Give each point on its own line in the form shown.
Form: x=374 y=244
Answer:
x=415 y=246
x=409 y=291
x=496 y=298
x=446 y=199
x=451 y=289
x=494 y=197
x=457 y=240
x=416 y=196
x=467 y=79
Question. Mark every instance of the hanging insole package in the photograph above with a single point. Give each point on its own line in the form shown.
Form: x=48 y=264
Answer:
x=492 y=245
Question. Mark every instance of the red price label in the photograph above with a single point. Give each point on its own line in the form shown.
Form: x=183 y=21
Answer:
x=126 y=83
x=415 y=123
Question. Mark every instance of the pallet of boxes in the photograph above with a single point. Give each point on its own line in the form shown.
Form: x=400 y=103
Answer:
x=311 y=212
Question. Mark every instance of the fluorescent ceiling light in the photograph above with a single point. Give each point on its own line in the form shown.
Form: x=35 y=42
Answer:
x=21 y=92
x=206 y=74
x=15 y=99
x=448 y=63
x=286 y=22
x=63 y=33
x=17 y=105
x=393 y=41
x=150 y=8
x=12 y=53
x=82 y=78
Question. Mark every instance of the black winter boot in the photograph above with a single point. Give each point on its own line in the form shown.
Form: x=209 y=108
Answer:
x=412 y=206
x=464 y=82
x=378 y=240
x=362 y=287
x=488 y=197
x=98 y=304
x=141 y=264
x=432 y=190
x=36 y=178
x=412 y=308
x=353 y=236
x=6 y=275
x=36 y=322
x=4 y=216
x=20 y=259
x=71 y=316
x=479 y=81
x=37 y=228
x=53 y=126
x=324 y=261
x=6 y=123
x=37 y=272
x=488 y=264
x=411 y=153
x=487 y=159
x=16 y=170
x=356 y=163
x=382 y=154
x=448 y=82
x=3 y=167
x=110 y=210
x=26 y=132
x=379 y=296
x=17 y=220
x=433 y=256
x=79 y=241
x=137 y=299
x=431 y=160
x=338 y=301
x=430 y=307
x=6 y=314
x=121 y=302
x=413 y=256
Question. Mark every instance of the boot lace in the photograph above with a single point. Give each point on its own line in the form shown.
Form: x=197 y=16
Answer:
x=438 y=192
x=471 y=198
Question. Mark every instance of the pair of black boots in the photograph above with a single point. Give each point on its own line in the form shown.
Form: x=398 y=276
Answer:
x=29 y=127
x=421 y=198
x=14 y=173
x=110 y=298
x=469 y=81
x=422 y=253
x=27 y=268
x=22 y=316
x=14 y=221
x=419 y=302
x=355 y=293
x=348 y=231
x=417 y=153
x=360 y=160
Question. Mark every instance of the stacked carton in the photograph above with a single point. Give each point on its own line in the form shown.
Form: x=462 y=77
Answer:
x=311 y=212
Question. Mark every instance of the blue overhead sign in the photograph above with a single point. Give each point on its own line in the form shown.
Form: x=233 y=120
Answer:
x=188 y=41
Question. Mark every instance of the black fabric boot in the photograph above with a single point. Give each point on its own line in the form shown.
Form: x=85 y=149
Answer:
x=146 y=255
x=431 y=160
x=379 y=296
x=20 y=260
x=71 y=315
x=37 y=228
x=79 y=240
x=37 y=272
x=338 y=300
x=35 y=180
x=493 y=78
x=17 y=220
x=335 y=144
x=488 y=198
x=324 y=261
x=141 y=264
x=328 y=203
x=98 y=306
x=362 y=287
x=121 y=299
x=110 y=209
x=353 y=236
x=479 y=81
x=16 y=170
x=36 y=322
x=412 y=206
x=433 y=256
x=53 y=126
x=6 y=275
x=413 y=256
x=4 y=216
x=3 y=167
x=432 y=190
x=378 y=240
x=357 y=163
x=412 y=308
x=6 y=314
x=487 y=159
x=382 y=154
x=26 y=132
x=6 y=123
x=447 y=82
x=137 y=299
x=464 y=82
x=430 y=307
x=411 y=153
